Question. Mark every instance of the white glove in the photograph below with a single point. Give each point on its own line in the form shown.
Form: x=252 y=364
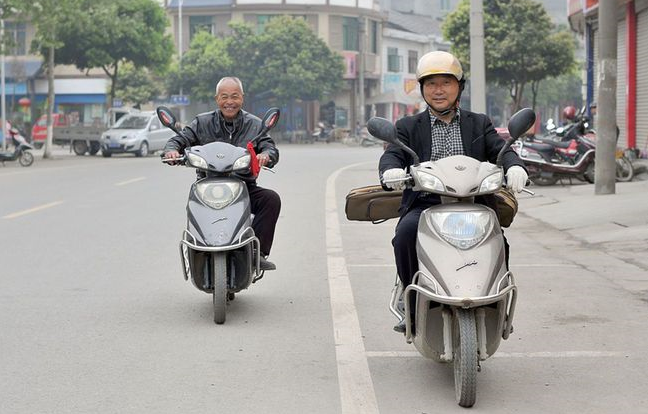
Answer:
x=394 y=174
x=516 y=178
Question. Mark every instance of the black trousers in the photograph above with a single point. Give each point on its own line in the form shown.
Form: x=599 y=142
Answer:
x=404 y=242
x=265 y=204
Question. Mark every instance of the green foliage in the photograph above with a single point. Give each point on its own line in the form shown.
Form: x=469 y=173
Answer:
x=296 y=63
x=137 y=86
x=110 y=32
x=287 y=61
x=203 y=65
x=521 y=44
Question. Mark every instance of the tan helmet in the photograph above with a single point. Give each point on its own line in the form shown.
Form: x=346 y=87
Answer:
x=438 y=63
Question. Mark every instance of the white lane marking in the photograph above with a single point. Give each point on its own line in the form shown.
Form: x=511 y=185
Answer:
x=134 y=180
x=32 y=210
x=357 y=393
x=559 y=354
x=544 y=265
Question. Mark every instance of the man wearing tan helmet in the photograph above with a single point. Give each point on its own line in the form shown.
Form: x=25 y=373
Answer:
x=441 y=131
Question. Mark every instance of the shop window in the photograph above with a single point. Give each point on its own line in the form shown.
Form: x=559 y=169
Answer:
x=350 y=29
x=17 y=38
x=373 y=47
x=393 y=60
x=412 y=60
x=200 y=24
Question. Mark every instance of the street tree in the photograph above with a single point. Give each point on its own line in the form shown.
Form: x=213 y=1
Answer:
x=112 y=32
x=522 y=46
x=296 y=63
x=203 y=64
x=47 y=16
x=137 y=86
x=287 y=61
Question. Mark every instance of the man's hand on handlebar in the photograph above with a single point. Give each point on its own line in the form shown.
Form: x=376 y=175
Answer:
x=170 y=157
x=263 y=158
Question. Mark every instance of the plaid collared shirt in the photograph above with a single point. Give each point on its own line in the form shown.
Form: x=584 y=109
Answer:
x=446 y=138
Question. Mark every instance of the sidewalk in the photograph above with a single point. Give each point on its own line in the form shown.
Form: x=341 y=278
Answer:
x=606 y=232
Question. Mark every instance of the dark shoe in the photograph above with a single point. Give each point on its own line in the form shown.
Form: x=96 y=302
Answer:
x=264 y=264
x=400 y=326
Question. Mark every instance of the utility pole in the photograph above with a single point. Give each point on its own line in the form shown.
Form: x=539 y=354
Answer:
x=604 y=177
x=3 y=85
x=361 y=69
x=182 y=108
x=477 y=61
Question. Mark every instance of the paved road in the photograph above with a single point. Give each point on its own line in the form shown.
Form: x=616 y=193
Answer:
x=96 y=317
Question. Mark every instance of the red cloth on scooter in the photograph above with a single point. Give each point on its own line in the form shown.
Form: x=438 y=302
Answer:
x=254 y=162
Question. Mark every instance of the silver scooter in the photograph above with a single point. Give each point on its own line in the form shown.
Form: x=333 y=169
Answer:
x=462 y=299
x=219 y=251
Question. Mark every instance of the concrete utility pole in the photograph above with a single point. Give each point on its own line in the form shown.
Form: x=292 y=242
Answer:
x=604 y=178
x=361 y=69
x=477 y=61
x=4 y=99
x=182 y=108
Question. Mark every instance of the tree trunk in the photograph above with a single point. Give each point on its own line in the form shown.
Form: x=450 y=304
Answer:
x=535 y=87
x=50 y=104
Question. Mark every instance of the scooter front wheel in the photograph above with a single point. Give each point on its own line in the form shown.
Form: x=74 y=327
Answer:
x=219 y=277
x=26 y=159
x=465 y=357
x=624 y=169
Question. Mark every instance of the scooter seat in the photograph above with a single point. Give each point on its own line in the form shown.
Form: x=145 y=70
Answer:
x=554 y=143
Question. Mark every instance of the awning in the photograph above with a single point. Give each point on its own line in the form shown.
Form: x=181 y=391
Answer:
x=396 y=96
x=22 y=69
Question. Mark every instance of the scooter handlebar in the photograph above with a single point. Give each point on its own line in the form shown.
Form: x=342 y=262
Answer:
x=173 y=161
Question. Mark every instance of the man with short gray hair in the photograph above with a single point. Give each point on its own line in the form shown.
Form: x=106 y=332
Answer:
x=230 y=123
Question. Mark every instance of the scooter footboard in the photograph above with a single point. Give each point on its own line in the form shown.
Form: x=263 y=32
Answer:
x=432 y=331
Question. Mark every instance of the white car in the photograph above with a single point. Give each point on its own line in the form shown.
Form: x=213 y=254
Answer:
x=140 y=134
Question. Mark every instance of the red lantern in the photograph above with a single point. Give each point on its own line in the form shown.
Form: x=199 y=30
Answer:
x=24 y=101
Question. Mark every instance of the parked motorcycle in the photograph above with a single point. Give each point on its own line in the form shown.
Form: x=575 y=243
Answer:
x=21 y=152
x=219 y=251
x=462 y=300
x=570 y=144
x=322 y=133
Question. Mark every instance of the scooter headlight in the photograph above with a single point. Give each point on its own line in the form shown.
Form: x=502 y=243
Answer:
x=430 y=182
x=462 y=229
x=197 y=161
x=218 y=194
x=241 y=163
x=491 y=183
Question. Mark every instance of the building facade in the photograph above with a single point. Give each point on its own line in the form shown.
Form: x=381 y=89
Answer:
x=82 y=95
x=632 y=65
x=350 y=27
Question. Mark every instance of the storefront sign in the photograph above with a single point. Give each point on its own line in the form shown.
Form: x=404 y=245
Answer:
x=350 y=68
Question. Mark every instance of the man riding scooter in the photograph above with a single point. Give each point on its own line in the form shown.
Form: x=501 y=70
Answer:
x=441 y=131
x=231 y=124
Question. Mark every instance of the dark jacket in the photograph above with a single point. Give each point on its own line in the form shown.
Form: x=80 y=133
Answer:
x=207 y=127
x=480 y=141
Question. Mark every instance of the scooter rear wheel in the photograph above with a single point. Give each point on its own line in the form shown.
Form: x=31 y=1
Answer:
x=26 y=159
x=219 y=275
x=465 y=357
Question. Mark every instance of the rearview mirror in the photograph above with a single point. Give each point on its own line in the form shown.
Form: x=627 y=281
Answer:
x=166 y=117
x=270 y=119
x=386 y=131
x=520 y=122
x=382 y=129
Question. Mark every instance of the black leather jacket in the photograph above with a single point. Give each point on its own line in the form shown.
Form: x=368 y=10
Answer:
x=208 y=127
